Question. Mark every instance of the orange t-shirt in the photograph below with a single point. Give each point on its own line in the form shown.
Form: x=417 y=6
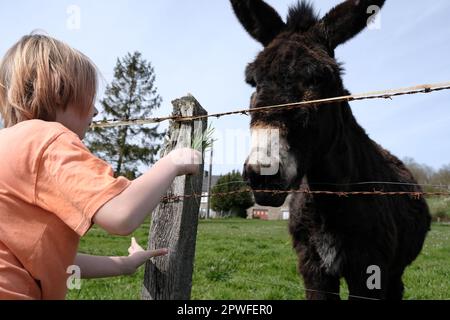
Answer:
x=50 y=188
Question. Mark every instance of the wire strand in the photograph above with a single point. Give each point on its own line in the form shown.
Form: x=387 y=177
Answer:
x=414 y=194
x=309 y=290
x=387 y=94
x=437 y=186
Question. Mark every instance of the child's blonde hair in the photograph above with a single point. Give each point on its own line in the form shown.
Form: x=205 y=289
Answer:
x=40 y=75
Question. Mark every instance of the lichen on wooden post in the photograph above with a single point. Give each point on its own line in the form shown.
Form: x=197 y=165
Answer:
x=174 y=224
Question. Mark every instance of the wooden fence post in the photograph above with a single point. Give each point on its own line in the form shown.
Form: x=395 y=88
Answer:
x=174 y=224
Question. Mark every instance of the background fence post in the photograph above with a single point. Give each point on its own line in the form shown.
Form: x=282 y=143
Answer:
x=174 y=225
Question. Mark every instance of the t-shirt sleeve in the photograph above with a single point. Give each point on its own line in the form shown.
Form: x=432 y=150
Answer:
x=74 y=184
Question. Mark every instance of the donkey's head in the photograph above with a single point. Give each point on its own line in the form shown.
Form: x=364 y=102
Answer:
x=297 y=64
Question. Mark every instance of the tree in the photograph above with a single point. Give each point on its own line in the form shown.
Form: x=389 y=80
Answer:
x=432 y=180
x=131 y=95
x=421 y=172
x=234 y=204
x=442 y=177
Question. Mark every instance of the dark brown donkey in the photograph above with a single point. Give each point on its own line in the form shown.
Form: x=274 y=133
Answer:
x=369 y=240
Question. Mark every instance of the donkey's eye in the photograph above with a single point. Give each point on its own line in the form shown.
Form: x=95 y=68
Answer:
x=316 y=80
x=312 y=82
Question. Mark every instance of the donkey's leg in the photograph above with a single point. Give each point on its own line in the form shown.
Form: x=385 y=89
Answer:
x=365 y=285
x=319 y=285
x=395 y=287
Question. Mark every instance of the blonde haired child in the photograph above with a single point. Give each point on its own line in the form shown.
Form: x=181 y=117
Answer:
x=52 y=189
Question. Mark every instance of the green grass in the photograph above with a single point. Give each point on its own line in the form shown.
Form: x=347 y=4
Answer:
x=429 y=276
x=253 y=259
x=440 y=208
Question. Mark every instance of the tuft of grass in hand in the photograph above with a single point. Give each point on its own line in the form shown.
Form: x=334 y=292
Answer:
x=202 y=142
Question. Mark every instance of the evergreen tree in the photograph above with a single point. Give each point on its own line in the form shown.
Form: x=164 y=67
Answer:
x=234 y=204
x=131 y=95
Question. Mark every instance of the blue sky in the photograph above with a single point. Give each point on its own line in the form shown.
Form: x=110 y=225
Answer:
x=197 y=46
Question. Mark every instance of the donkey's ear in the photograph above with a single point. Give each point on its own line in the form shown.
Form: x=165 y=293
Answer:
x=260 y=20
x=348 y=19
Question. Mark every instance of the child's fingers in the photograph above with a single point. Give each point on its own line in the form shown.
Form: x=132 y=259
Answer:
x=139 y=258
x=157 y=252
x=134 y=246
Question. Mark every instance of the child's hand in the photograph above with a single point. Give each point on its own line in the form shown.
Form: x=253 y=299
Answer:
x=186 y=160
x=138 y=256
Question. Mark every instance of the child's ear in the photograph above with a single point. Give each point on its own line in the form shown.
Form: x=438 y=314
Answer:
x=260 y=20
x=347 y=19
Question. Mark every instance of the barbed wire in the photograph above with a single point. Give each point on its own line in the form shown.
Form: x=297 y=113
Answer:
x=387 y=94
x=436 y=186
x=346 y=194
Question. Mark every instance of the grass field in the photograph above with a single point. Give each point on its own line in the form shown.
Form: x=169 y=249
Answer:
x=253 y=259
x=440 y=208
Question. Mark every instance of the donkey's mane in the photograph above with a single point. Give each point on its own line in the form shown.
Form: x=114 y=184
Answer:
x=301 y=17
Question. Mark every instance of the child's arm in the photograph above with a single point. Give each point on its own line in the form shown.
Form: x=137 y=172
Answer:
x=126 y=212
x=103 y=267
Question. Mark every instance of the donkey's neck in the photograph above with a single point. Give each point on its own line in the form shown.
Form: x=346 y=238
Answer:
x=351 y=157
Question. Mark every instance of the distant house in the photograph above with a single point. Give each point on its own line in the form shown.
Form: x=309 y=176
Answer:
x=255 y=212
x=269 y=213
